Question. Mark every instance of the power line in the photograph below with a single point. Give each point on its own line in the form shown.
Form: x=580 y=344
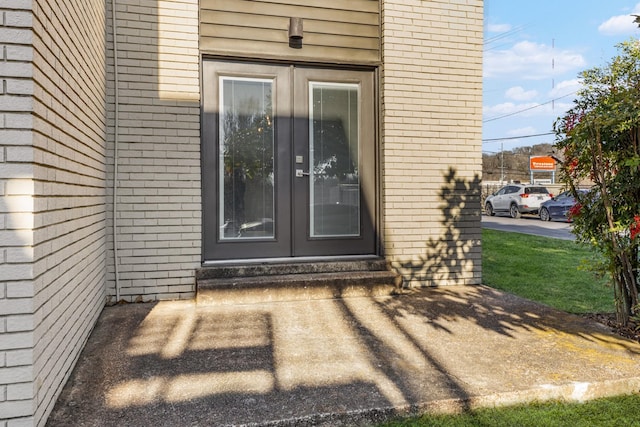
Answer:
x=526 y=109
x=517 y=137
x=505 y=34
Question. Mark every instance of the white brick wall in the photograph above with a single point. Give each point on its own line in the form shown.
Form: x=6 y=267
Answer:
x=69 y=210
x=159 y=207
x=431 y=119
x=56 y=166
x=52 y=179
x=17 y=396
x=431 y=125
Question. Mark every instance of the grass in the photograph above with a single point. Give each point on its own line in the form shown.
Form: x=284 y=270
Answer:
x=544 y=270
x=616 y=411
x=548 y=271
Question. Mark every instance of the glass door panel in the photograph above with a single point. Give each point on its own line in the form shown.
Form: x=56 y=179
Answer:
x=246 y=159
x=334 y=184
x=334 y=194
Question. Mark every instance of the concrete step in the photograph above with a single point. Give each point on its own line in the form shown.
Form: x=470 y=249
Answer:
x=257 y=283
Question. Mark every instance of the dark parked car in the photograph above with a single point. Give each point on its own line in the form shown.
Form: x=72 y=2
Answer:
x=558 y=207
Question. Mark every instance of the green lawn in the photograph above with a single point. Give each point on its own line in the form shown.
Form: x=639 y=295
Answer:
x=548 y=271
x=614 y=412
x=544 y=270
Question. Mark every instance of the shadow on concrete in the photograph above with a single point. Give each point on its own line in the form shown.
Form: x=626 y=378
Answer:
x=348 y=361
x=351 y=361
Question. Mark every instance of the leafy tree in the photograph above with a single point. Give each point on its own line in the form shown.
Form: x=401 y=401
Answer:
x=599 y=139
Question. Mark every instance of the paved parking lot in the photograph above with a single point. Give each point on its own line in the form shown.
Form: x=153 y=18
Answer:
x=529 y=224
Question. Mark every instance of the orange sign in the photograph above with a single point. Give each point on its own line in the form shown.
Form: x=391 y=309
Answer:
x=542 y=163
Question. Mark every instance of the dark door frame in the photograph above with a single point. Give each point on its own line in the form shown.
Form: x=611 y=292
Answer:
x=286 y=244
x=303 y=243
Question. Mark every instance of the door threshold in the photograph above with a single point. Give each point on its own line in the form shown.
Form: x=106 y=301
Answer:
x=282 y=260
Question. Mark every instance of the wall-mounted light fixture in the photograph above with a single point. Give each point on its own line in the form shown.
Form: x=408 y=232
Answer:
x=295 y=32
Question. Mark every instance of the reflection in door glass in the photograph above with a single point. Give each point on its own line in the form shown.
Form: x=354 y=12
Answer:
x=333 y=153
x=246 y=159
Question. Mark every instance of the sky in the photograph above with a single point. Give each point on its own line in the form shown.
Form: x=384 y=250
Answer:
x=533 y=54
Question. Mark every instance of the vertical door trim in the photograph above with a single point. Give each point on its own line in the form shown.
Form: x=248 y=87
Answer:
x=213 y=247
x=365 y=244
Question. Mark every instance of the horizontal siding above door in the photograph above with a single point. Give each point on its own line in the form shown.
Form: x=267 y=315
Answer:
x=340 y=31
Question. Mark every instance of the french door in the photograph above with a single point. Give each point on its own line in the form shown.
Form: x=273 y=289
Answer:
x=288 y=161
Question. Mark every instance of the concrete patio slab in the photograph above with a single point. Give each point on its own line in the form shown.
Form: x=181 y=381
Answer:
x=351 y=361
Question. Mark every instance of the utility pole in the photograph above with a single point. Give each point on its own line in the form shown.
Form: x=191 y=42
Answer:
x=502 y=162
x=553 y=68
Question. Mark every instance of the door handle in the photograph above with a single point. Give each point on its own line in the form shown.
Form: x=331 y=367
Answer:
x=300 y=173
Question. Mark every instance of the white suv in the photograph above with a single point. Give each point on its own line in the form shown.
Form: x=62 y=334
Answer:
x=517 y=199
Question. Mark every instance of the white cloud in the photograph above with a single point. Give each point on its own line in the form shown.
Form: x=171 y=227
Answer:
x=529 y=130
x=498 y=28
x=489 y=111
x=517 y=93
x=566 y=87
x=620 y=24
x=504 y=111
x=531 y=61
x=506 y=108
x=562 y=107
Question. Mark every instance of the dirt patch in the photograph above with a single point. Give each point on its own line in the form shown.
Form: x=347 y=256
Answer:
x=631 y=331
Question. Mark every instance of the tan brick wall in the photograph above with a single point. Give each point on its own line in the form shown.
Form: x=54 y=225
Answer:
x=56 y=169
x=158 y=192
x=52 y=178
x=431 y=132
x=69 y=157
x=17 y=190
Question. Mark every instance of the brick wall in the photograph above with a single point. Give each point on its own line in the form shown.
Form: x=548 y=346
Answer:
x=57 y=168
x=431 y=133
x=158 y=150
x=69 y=158
x=17 y=190
x=52 y=176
